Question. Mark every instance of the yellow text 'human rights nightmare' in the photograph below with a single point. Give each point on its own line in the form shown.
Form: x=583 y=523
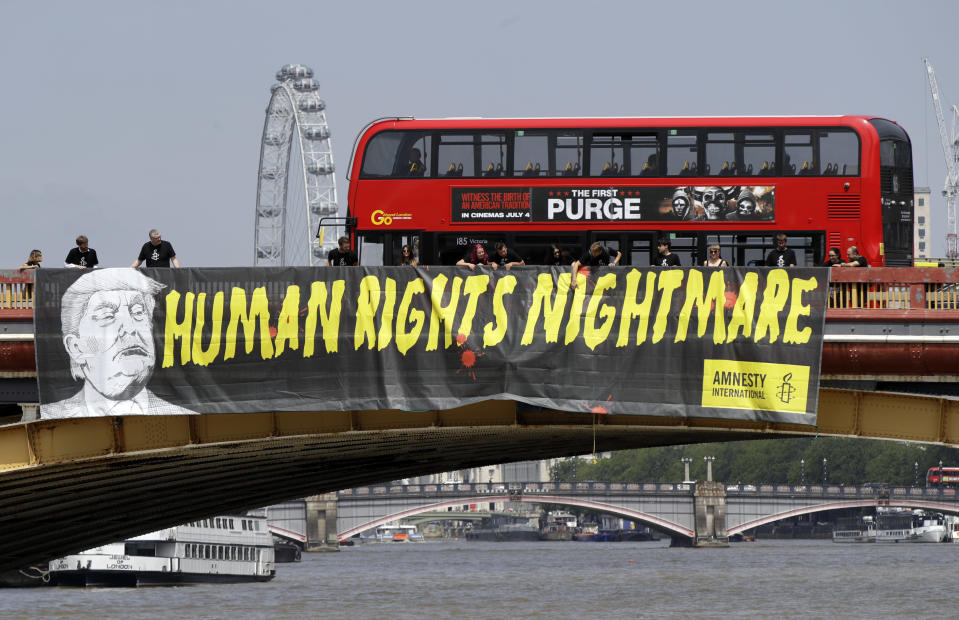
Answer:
x=630 y=308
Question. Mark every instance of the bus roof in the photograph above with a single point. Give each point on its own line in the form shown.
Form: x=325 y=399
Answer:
x=619 y=121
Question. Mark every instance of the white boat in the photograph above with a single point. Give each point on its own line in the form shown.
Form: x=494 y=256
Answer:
x=397 y=532
x=855 y=530
x=224 y=549
x=910 y=526
x=952 y=528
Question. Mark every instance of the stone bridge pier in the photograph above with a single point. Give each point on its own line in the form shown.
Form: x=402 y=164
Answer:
x=709 y=517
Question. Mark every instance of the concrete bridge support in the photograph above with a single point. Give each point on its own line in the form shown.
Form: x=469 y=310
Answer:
x=321 y=523
x=710 y=515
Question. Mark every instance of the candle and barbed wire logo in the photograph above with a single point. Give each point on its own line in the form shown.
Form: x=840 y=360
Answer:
x=786 y=391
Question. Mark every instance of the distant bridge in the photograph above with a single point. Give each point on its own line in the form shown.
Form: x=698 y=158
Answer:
x=668 y=507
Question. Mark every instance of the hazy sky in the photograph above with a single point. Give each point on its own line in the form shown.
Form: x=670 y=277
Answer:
x=118 y=117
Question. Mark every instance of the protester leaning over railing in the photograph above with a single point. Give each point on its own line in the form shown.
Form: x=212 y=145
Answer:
x=834 y=259
x=36 y=256
x=855 y=259
x=82 y=256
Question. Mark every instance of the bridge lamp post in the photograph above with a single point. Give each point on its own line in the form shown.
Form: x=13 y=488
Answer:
x=940 y=474
x=686 y=462
x=825 y=477
x=915 y=474
x=802 y=472
x=709 y=467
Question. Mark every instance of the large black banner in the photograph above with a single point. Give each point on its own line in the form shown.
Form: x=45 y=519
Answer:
x=731 y=343
x=520 y=205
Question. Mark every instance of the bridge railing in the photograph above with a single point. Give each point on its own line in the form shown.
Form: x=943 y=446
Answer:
x=459 y=489
x=526 y=488
x=842 y=490
x=875 y=289
x=884 y=292
x=16 y=292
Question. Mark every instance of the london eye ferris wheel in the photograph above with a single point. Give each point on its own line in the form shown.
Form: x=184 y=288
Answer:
x=296 y=186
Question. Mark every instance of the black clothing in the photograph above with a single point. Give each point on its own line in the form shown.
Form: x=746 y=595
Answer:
x=340 y=259
x=33 y=262
x=781 y=258
x=563 y=259
x=667 y=260
x=588 y=260
x=861 y=260
x=832 y=262
x=87 y=259
x=511 y=257
x=157 y=255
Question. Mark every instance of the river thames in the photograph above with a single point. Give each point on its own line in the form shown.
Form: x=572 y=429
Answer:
x=456 y=579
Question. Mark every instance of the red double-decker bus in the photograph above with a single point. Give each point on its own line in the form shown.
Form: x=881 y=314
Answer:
x=942 y=477
x=441 y=185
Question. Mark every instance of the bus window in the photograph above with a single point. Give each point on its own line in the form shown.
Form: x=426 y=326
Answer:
x=720 y=154
x=686 y=245
x=644 y=156
x=641 y=250
x=493 y=154
x=418 y=158
x=380 y=157
x=537 y=249
x=681 y=153
x=568 y=154
x=839 y=152
x=607 y=156
x=531 y=153
x=759 y=154
x=455 y=155
x=798 y=156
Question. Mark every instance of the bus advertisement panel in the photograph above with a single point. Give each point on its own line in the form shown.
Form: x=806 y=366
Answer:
x=710 y=343
x=609 y=204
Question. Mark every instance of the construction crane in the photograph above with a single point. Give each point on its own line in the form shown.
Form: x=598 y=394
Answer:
x=950 y=148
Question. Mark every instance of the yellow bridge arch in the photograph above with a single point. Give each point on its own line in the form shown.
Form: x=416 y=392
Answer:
x=67 y=485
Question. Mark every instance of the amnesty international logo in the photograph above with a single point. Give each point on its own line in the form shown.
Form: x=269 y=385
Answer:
x=757 y=386
x=786 y=391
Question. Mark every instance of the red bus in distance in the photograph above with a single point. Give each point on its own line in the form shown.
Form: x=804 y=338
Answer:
x=442 y=185
x=942 y=477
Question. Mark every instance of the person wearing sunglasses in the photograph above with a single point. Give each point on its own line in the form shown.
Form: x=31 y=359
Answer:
x=714 y=259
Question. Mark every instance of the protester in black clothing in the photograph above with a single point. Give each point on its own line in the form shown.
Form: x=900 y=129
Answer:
x=342 y=256
x=407 y=258
x=82 y=256
x=715 y=260
x=666 y=257
x=596 y=256
x=557 y=256
x=855 y=259
x=36 y=256
x=834 y=258
x=506 y=257
x=476 y=257
x=156 y=252
x=781 y=256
